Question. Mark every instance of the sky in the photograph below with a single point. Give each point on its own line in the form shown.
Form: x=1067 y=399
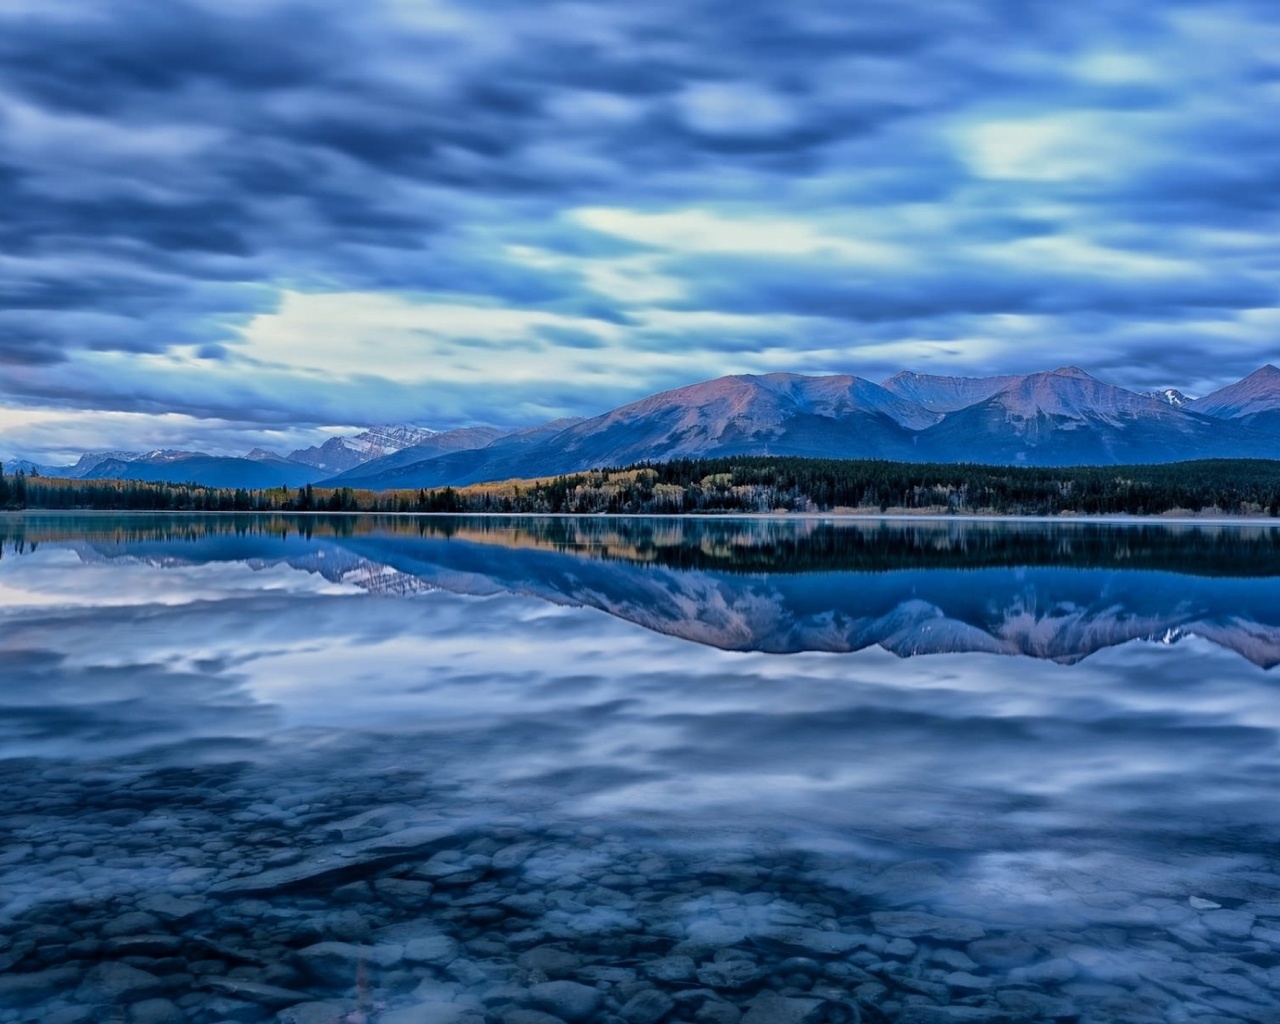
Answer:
x=229 y=223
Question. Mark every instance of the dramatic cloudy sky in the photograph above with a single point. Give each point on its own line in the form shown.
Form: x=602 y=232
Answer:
x=233 y=222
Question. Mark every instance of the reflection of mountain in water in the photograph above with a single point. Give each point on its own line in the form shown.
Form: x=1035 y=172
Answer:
x=1043 y=612
x=1053 y=592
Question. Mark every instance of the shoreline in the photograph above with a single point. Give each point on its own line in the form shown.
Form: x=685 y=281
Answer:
x=1117 y=519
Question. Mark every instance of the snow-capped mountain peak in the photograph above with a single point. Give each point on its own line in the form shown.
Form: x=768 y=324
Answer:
x=342 y=453
x=1171 y=396
x=383 y=440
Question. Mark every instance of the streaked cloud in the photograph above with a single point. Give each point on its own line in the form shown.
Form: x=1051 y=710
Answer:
x=285 y=216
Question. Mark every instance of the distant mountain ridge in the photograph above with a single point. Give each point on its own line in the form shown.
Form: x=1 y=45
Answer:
x=260 y=468
x=1059 y=417
x=339 y=453
x=946 y=394
x=1253 y=400
x=209 y=470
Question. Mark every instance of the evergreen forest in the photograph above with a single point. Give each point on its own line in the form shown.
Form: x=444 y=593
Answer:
x=733 y=484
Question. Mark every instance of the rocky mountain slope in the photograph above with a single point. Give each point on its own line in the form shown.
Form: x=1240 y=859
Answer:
x=1061 y=417
x=1255 y=400
x=1067 y=417
x=339 y=453
x=945 y=394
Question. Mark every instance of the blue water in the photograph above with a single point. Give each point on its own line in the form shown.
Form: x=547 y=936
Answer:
x=421 y=769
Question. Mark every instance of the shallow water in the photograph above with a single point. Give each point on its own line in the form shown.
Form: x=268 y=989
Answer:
x=526 y=770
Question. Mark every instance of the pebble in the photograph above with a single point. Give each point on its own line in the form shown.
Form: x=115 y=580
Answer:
x=156 y=1011
x=254 y=992
x=172 y=909
x=914 y=925
x=729 y=974
x=525 y=1016
x=817 y=942
x=117 y=982
x=715 y=1012
x=648 y=1006
x=568 y=1000
x=770 y=1008
x=341 y=963
x=1002 y=953
x=404 y=892
x=308 y=909
x=433 y=1013
x=967 y=984
x=673 y=968
x=919 y=1014
x=134 y=923
x=314 y=1012
x=1230 y=924
x=431 y=949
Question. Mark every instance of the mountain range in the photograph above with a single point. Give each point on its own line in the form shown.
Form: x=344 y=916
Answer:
x=1060 y=417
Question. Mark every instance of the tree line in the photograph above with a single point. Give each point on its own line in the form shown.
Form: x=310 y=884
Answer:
x=732 y=484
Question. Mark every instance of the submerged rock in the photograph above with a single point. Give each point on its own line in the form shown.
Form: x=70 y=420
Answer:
x=729 y=975
x=33 y=987
x=525 y=1016
x=338 y=859
x=569 y=1000
x=340 y=963
x=908 y=924
x=172 y=909
x=647 y=1006
x=254 y=992
x=314 y=1012
x=433 y=1013
x=771 y=1008
x=156 y=1011
x=553 y=961
x=431 y=949
x=117 y=983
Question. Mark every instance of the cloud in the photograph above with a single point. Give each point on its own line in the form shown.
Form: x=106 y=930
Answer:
x=276 y=213
x=1054 y=148
x=700 y=231
x=736 y=110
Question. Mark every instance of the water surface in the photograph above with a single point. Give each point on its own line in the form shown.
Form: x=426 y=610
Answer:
x=462 y=769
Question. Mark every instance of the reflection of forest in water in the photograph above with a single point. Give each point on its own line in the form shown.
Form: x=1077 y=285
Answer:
x=729 y=544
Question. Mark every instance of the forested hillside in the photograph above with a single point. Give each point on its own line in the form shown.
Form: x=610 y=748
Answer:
x=742 y=484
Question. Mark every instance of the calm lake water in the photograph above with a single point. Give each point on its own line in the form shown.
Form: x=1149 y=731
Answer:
x=526 y=771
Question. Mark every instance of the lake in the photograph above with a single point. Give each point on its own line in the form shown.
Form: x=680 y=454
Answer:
x=452 y=770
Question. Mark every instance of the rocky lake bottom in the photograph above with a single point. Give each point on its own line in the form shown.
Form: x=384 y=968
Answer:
x=266 y=796
x=225 y=893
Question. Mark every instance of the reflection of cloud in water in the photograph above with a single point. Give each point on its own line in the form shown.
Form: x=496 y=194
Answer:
x=1031 y=792
x=64 y=577
x=579 y=708
x=56 y=706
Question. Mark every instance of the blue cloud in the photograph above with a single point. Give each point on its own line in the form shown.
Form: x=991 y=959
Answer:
x=166 y=176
